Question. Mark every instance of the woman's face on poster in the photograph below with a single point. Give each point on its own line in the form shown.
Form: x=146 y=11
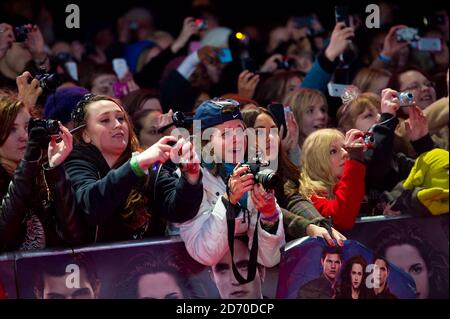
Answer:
x=356 y=275
x=408 y=258
x=159 y=285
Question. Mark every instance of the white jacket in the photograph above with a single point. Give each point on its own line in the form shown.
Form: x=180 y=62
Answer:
x=206 y=238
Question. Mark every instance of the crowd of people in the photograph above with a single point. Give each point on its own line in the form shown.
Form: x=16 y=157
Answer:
x=91 y=151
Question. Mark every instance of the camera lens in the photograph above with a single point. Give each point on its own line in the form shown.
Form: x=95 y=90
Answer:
x=52 y=127
x=267 y=178
x=49 y=82
x=406 y=98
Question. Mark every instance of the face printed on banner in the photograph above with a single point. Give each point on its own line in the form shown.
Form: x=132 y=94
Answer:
x=381 y=272
x=227 y=284
x=160 y=285
x=331 y=266
x=62 y=287
x=356 y=275
x=408 y=258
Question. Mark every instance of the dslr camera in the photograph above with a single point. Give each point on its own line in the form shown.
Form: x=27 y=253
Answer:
x=181 y=119
x=49 y=82
x=50 y=126
x=264 y=176
x=21 y=33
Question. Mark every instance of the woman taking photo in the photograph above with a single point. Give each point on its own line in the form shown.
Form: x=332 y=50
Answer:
x=37 y=208
x=228 y=185
x=111 y=176
x=300 y=217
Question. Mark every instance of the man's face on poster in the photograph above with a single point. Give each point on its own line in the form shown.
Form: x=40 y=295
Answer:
x=227 y=284
x=356 y=275
x=331 y=265
x=57 y=287
x=381 y=272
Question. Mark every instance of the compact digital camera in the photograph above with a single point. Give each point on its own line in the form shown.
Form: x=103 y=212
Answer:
x=406 y=98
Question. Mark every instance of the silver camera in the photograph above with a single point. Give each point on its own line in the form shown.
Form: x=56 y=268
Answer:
x=406 y=98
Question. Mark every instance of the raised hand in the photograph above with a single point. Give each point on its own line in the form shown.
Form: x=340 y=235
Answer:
x=58 y=152
x=247 y=83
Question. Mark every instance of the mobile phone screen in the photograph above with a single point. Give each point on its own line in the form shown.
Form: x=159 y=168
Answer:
x=225 y=55
x=120 y=67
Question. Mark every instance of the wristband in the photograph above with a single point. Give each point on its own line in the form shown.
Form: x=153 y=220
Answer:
x=384 y=59
x=136 y=168
x=271 y=218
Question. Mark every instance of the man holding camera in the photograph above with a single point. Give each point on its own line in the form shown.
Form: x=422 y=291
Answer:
x=21 y=48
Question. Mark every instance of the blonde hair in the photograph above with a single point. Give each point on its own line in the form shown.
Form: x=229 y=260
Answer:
x=315 y=173
x=347 y=113
x=301 y=98
x=366 y=77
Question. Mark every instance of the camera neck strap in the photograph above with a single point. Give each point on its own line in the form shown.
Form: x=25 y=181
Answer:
x=232 y=212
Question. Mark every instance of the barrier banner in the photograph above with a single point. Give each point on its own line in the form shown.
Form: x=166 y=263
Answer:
x=7 y=277
x=418 y=246
x=415 y=252
x=311 y=269
x=157 y=270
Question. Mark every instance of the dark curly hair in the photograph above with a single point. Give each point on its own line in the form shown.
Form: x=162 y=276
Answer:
x=436 y=262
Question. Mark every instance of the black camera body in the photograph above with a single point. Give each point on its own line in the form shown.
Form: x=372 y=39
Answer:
x=369 y=140
x=285 y=64
x=50 y=126
x=49 y=82
x=264 y=176
x=21 y=33
x=181 y=119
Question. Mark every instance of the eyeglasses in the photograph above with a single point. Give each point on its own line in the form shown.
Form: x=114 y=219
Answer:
x=417 y=86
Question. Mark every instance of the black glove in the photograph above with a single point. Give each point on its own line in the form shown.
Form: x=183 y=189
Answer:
x=37 y=141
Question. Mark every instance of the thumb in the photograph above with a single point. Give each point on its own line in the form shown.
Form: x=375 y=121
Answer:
x=408 y=126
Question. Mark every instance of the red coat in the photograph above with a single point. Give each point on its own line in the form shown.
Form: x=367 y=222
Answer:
x=349 y=193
